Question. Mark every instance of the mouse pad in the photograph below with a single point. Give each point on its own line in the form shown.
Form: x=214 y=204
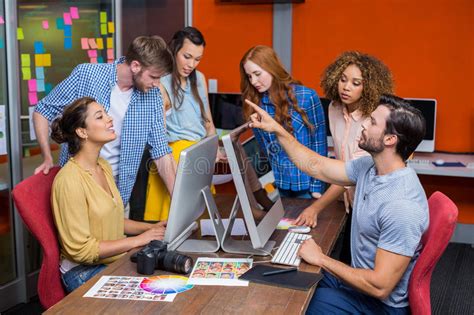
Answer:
x=449 y=164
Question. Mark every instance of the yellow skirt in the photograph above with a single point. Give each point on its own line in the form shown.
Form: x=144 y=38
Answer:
x=158 y=199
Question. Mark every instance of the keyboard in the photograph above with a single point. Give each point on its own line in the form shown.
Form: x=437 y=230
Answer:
x=419 y=162
x=286 y=253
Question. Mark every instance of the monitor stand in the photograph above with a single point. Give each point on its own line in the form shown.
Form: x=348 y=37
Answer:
x=230 y=245
x=182 y=244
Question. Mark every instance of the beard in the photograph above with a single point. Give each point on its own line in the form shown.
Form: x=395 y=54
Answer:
x=373 y=146
x=137 y=82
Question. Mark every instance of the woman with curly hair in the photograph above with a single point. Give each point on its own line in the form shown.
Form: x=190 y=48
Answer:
x=264 y=81
x=354 y=83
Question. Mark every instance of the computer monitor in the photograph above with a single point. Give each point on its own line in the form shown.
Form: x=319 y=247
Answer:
x=226 y=110
x=191 y=195
x=427 y=108
x=242 y=171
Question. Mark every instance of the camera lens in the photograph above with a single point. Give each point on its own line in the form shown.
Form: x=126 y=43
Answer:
x=174 y=262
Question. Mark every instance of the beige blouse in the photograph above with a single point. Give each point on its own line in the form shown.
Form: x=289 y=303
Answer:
x=85 y=213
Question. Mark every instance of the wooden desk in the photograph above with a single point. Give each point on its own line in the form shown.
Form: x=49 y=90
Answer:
x=254 y=299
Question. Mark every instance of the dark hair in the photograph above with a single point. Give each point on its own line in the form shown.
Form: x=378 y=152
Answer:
x=376 y=79
x=63 y=128
x=404 y=121
x=176 y=43
x=150 y=51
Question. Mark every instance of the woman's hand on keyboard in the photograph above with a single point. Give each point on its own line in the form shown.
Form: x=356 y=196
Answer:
x=311 y=252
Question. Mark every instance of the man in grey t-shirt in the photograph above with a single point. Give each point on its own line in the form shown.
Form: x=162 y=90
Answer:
x=389 y=217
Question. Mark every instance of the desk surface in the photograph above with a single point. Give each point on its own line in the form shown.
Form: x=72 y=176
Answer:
x=254 y=299
x=430 y=169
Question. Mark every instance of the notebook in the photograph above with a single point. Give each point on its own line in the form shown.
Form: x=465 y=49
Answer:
x=298 y=280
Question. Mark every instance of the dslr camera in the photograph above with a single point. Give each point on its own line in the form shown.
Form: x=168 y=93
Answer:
x=156 y=256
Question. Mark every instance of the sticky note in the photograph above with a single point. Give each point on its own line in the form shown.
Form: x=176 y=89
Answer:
x=32 y=85
x=48 y=87
x=33 y=98
x=103 y=17
x=68 y=30
x=45 y=24
x=93 y=60
x=19 y=34
x=39 y=73
x=67 y=18
x=39 y=60
x=47 y=60
x=25 y=60
x=92 y=43
x=40 y=85
x=110 y=42
x=92 y=53
x=1 y=44
x=2 y=21
x=84 y=43
x=67 y=43
x=26 y=73
x=100 y=59
x=74 y=13
x=110 y=54
x=100 y=43
x=39 y=49
x=111 y=27
x=59 y=23
x=103 y=29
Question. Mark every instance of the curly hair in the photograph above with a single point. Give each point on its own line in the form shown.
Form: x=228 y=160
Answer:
x=280 y=93
x=376 y=79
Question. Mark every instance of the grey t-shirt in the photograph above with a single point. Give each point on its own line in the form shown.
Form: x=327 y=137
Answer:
x=390 y=212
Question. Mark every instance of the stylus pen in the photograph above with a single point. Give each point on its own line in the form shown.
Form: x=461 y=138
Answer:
x=276 y=272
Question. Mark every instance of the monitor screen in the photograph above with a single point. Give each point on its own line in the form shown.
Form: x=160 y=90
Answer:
x=226 y=110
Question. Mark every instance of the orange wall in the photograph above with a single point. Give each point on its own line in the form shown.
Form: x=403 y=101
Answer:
x=230 y=30
x=428 y=45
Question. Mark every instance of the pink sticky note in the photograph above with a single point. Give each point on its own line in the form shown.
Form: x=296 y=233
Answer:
x=84 y=43
x=92 y=53
x=32 y=85
x=2 y=21
x=45 y=24
x=110 y=54
x=74 y=13
x=93 y=60
x=67 y=18
x=33 y=98
x=92 y=43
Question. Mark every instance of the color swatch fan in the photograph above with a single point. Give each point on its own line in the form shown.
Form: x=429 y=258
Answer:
x=165 y=284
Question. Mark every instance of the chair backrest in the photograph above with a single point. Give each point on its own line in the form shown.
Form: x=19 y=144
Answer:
x=443 y=218
x=32 y=198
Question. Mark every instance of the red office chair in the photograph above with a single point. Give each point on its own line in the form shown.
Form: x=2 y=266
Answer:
x=443 y=217
x=33 y=200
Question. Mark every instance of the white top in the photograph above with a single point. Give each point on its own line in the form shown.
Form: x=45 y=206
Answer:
x=119 y=101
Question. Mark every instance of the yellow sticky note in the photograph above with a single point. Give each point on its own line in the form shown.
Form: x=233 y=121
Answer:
x=26 y=71
x=103 y=17
x=100 y=43
x=25 y=60
x=47 y=60
x=19 y=33
x=110 y=42
x=39 y=60
x=103 y=29
x=111 y=27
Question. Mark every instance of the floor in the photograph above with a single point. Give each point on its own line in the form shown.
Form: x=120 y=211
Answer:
x=452 y=285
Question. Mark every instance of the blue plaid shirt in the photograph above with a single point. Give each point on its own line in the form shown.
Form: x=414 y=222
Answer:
x=143 y=123
x=287 y=175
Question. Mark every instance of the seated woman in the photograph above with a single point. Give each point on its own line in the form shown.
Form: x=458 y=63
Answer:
x=87 y=207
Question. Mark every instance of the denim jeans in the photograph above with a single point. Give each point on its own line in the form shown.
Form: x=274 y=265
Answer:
x=333 y=297
x=78 y=275
x=304 y=194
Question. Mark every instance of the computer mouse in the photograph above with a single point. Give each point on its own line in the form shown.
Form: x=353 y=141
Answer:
x=439 y=162
x=299 y=229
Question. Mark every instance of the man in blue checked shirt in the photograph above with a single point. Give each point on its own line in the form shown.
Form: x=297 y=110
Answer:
x=128 y=90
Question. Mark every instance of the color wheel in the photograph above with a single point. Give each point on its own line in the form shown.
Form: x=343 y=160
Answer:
x=165 y=284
